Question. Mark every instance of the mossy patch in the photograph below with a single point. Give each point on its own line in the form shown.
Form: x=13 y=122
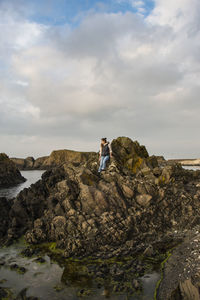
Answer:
x=161 y=180
x=6 y=294
x=84 y=293
x=50 y=247
x=40 y=260
x=162 y=274
x=18 y=269
x=58 y=288
x=137 y=164
x=88 y=179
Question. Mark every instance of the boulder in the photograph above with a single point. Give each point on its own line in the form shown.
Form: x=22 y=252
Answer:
x=129 y=154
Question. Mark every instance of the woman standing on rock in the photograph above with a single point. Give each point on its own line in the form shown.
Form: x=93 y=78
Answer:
x=104 y=154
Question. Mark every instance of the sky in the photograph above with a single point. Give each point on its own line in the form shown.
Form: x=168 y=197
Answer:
x=74 y=71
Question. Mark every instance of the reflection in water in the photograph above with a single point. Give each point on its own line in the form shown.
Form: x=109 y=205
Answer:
x=76 y=274
x=31 y=176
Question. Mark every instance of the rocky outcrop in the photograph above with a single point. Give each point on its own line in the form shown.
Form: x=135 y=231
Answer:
x=131 y=206
x=56 y=158
x=181 y=278
x=9 y=173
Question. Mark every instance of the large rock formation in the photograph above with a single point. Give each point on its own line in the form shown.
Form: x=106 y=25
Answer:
x=9 y=173
x=133 y=205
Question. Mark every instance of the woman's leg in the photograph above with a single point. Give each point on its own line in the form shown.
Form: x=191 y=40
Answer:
x=101 y=164
x=106 y=158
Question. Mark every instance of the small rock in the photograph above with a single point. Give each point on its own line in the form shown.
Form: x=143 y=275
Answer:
x=144 y=200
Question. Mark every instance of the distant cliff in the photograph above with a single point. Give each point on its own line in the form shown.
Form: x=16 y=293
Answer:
x=9 y=173
x=55 y=159
x=29 y=163
x=186 y=162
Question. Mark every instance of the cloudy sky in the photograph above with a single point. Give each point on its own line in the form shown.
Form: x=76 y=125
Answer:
x=73 y=71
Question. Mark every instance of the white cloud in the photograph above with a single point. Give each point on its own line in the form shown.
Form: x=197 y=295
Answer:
x=180 y=14
x=20 y=82
x=115 y=74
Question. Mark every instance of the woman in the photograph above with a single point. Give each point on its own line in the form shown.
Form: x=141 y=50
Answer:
x=104 y=154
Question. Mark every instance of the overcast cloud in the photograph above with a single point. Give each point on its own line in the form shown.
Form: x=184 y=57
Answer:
x=113 y=74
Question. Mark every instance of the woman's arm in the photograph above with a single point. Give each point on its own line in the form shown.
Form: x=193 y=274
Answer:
x=100 y=151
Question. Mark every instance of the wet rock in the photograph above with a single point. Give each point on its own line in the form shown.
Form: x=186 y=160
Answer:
x=5 y=293
x=18 y=269
x=84 y=293
x=22 y=295
x=40 y=260
x=30 y=252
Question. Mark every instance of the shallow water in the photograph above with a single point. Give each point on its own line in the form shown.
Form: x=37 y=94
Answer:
x=31 y=176
x=42 y=280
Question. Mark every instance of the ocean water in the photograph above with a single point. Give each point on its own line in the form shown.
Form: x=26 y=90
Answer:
x=31 y=176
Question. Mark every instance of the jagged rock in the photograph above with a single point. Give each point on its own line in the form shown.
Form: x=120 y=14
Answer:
x=9 y=174
x=117 y=213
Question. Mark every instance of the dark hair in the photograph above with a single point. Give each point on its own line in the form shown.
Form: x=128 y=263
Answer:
x=104 y=139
